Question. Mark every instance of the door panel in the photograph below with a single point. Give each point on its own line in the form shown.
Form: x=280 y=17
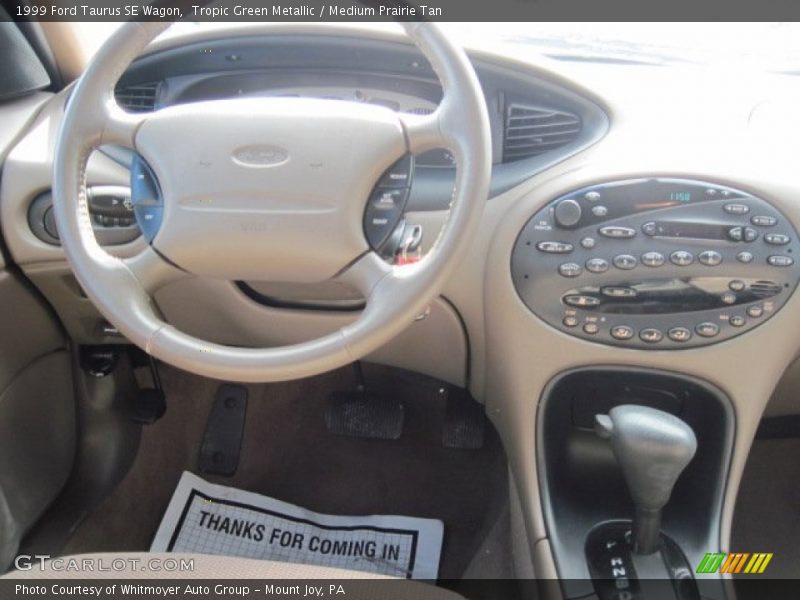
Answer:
x=37 y=405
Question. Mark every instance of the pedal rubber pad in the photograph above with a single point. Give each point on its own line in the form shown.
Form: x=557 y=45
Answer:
x=222 y=441
x=464 y=422
x=355 y=414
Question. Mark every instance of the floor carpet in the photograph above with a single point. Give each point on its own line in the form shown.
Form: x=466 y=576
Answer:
x=288 y=454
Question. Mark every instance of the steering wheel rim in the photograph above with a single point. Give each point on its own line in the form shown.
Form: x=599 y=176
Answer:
x=122 y=289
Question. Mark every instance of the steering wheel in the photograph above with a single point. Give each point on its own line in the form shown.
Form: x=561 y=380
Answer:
x=267 y=189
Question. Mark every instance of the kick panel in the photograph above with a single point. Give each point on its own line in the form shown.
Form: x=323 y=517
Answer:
x=656 y=263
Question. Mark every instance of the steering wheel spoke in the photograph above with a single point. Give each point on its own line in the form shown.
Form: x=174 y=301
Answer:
x=120 y=126
x=423 y=132
x=153 y=272
x=366 y=273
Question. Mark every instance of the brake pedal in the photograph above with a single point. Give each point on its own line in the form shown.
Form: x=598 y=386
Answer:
x=464 y=422
x=222 y=441
x=361 y=414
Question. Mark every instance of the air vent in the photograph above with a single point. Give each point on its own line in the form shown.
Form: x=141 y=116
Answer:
x=532 y=130
x=137 y=98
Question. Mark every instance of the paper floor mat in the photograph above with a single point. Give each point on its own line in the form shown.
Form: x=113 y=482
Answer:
x=205 y=518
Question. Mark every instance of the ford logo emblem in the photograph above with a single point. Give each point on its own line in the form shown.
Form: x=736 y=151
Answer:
x=260 y=156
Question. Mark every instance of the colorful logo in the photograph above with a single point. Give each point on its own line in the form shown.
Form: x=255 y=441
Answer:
x=734 y=562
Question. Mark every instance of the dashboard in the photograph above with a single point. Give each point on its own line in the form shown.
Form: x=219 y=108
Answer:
x=534 y=122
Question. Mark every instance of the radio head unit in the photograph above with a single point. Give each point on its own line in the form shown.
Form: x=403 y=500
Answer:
x=656 y=263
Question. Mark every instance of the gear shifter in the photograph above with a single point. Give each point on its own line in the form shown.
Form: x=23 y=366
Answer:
x=652 y=447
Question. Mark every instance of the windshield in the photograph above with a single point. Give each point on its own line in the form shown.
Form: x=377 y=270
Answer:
x=763 y=46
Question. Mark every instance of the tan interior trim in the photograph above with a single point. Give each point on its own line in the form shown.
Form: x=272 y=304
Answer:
x=69 y=54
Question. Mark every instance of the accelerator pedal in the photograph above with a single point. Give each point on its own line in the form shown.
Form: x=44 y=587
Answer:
x=222 y=441
x=464 y=422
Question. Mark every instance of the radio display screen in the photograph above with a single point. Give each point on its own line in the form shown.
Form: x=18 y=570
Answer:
x=691 y=230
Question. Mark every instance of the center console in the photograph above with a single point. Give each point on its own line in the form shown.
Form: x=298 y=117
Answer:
x=632 y=468
x=656 y=263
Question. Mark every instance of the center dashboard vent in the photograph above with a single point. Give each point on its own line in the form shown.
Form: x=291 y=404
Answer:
x=532 y=130
x=137 y=98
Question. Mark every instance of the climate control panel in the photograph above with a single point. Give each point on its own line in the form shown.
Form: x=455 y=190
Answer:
x=656 y=263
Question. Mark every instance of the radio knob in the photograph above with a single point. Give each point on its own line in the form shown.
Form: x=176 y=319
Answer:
x=568 y=213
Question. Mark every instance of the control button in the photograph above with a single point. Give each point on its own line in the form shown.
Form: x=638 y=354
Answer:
x=763 y=221
x=711 y=192
x=707 y=330
x=745 y=257
x=710 y=258
x=570 y=321
x=735 y=233
x=653 y=259
x=399 y=174
x=554 y=247
x=149 y=219
x=737 y=285
x=736 y=209
x=570 y=270
x=777 y=239
x=728 y=298
x=568 y=213
x=581 y=300
x=588 y=243
x=597 y=265
x=109 y=203
x=755 y=311
x=591 y=328
x=621 y=332
x=391 y=199
x=617 y=232
x=651 y=336
x=626 y=262
x=682 y=258
x=777 y=260
x=679 y=334
x=750 y=234
x=50 y=222
x=618 y=291
x=592 y=196
x=382 y=215
x=599 y=210
x=649 y=228
x=737 y=320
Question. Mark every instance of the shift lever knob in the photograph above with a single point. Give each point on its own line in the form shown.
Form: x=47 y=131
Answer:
x=652 y=448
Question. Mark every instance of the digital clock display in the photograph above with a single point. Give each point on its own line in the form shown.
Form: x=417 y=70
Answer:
x=681 y=196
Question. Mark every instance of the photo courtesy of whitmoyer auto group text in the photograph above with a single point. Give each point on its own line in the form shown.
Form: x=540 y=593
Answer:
x=399 y=300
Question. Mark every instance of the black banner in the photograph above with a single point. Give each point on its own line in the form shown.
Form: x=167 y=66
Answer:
x=389 y=10
x=746 y=588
